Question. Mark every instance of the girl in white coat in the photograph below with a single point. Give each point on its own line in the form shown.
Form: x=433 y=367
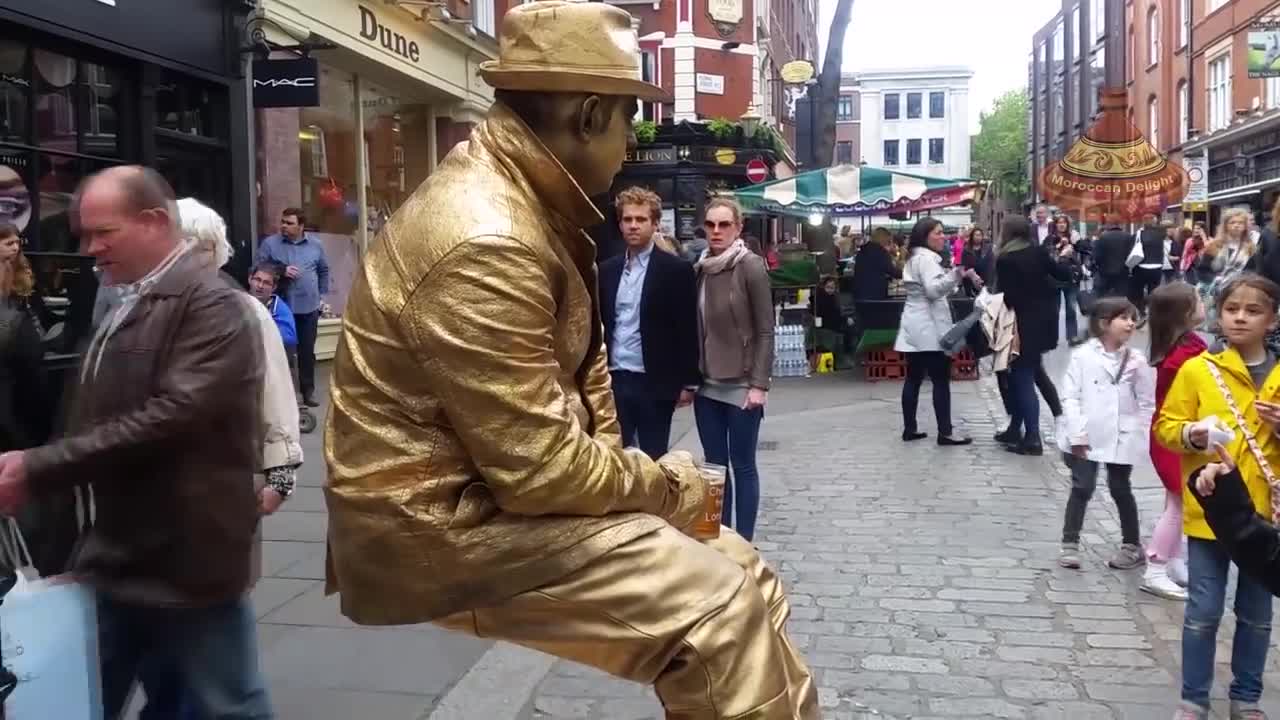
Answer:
x=1108 y=396
x=926 y=317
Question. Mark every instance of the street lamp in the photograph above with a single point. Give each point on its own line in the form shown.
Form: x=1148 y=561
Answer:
x=815 y=219
x=750 y=121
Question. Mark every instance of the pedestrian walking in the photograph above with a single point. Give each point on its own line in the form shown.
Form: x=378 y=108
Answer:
x=1149 y=272
x=1175 y=313
x=165 y=428
x=1229 y=398
x=978 y=257
x=648 y=306
x=735 y=335
x=1110 y=253
x=1025 y=272
x=1192 y=245
x=926 y=317
x=306 y=280
x=1108 y=395
x=1227 y=255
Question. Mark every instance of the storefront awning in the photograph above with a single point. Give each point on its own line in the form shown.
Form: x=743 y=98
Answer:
x=850 y=190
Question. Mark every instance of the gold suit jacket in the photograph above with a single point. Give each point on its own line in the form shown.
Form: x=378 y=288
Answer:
x=472 y=441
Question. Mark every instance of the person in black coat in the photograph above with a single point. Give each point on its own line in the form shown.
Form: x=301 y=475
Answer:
x=979 y=257
x=1110 y=252
x=1252 y=543
x=648 y=303
x=1025 y=272
x=1150 y=272
x=874 y=268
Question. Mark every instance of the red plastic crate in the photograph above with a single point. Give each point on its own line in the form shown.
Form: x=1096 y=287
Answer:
x=884 y=357
x=876 y=373
x=964 y=366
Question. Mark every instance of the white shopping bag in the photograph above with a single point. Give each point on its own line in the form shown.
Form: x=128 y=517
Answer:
x=1135 y=256
x=49 y=640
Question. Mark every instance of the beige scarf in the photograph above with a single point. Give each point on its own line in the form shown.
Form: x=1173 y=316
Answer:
x=713 y=264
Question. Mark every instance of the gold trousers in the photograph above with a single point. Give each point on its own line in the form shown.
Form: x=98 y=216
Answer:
x=702 y=622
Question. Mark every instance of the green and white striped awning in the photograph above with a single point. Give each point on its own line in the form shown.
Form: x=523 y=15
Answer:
x=854 y=190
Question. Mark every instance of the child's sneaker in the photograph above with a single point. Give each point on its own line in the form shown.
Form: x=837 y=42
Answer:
x=1177 y=568
x=1157 y=582
x=1190 y=711
x=1246 y=711
x=1127 y=557
x=1070 y=556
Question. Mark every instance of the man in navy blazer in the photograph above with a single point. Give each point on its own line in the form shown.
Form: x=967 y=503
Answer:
x=649 y=307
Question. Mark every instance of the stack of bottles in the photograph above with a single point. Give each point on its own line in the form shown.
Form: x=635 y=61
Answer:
x=790 y=357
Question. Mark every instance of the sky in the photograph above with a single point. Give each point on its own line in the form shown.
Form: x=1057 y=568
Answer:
x=991 y=37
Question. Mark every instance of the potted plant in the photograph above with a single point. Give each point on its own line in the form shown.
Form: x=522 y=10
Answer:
x=722 y=129
x=646 y=132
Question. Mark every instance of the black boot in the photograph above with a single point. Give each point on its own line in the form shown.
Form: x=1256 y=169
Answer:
x=1010 y=436
x=1030 y=445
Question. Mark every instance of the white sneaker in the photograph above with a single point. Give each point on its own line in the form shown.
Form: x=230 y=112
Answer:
x=1157 y=582
x=1177 y=569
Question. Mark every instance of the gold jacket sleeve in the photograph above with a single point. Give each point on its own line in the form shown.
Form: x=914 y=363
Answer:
x=483 y=323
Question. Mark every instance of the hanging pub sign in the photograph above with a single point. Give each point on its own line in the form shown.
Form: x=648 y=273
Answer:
x=293 y=82
x=1264 y=49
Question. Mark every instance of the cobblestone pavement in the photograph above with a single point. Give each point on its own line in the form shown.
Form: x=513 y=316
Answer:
x=924 y=580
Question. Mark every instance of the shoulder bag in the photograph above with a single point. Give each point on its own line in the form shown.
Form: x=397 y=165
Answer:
x=1250 y=440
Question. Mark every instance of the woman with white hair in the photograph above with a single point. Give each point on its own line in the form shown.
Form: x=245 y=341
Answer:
x=282 y=447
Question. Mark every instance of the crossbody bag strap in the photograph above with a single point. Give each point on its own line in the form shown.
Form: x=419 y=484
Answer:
x=1124 y=362
x=1249 y=440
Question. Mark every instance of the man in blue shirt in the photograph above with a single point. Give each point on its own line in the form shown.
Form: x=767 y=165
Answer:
x=262 y=285
x=648 y=305
x=305 y=281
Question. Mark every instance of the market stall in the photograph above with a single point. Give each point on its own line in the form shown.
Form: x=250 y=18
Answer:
x=837 y=192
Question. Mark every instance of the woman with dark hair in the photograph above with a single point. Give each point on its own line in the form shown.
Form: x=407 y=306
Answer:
x=977 y=256
x=1025 y=272
x=926 y=317
x=1066 y=293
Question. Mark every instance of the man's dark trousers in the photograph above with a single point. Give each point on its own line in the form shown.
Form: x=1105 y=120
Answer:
x=644 y=411
x=308 y=325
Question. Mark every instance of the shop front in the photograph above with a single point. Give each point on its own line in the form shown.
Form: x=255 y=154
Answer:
x=86 y=84
x=1243 y=166
x=396 y=93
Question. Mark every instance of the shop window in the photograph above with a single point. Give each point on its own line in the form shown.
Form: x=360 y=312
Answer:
x=913 y=152
x=55 y=103
x=186 y=106
x=890 y=152
x=13 y=92
x=937 y=104
x=16 y=197
x=102 y=86
x=397 y=160
x=913 y=105
x=891 y=108
x=937 y=154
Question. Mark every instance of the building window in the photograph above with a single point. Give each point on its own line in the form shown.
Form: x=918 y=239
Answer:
x=913 y=106
x=1215 y=4
x=937 y=154
x=844 y=153
x=1273 y=92
x=1153 y=36
x=1058 y=43
x=1078 y=44
x=1153 y=121
x=1219 y=92
x=913 y=152
x=1097 y=78
x=1184 y=19
x=937 y=104
x=1131 y=61
x=890 y=152
x=649 y=73
x=482 y=16
x=891 y=106
x=1184 y=113
x=844 y=109
x=1099 y=15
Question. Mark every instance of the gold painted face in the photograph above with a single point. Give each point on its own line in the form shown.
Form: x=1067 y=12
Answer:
x=608 y=148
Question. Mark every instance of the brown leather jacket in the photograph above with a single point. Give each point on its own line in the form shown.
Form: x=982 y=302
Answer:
x=735 y=323
x=168 y=434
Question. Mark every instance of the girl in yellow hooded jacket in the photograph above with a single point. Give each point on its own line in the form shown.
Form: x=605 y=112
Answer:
x=1238 y=386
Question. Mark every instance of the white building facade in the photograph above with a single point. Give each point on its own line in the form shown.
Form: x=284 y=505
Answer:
x=917 y=121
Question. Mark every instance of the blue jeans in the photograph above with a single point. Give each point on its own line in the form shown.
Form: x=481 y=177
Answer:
x=209 y=656
x=1022 y=394
x=729 y=436
x=645 y=408
x=1207 y=566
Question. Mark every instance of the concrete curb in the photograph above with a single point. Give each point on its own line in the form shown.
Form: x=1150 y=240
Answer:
x=501 y=686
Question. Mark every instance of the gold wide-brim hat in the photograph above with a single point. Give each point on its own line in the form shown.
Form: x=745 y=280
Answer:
x=566 y=46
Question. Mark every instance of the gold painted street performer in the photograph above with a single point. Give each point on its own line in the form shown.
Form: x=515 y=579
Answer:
x=476 y=474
